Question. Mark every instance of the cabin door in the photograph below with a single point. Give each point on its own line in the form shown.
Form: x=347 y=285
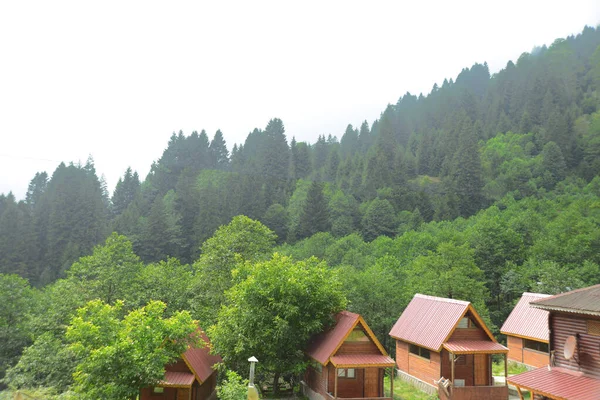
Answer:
x=481 y=369
x=372 y=382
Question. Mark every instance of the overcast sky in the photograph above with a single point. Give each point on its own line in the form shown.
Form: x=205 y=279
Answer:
x=114 y=79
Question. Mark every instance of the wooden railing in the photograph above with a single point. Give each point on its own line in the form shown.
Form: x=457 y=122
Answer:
x=359 y=398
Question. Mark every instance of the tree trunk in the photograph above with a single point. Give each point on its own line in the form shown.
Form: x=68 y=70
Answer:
x=276 y=383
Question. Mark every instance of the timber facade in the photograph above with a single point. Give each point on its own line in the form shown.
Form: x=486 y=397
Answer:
x=347 y=362
x=445 y=346
x=574 y=322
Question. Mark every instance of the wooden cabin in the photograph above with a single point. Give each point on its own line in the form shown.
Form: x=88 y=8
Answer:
x=574 y=349
x=526 y=330
x=192 y=377
x=443 y=345
x=347 y=361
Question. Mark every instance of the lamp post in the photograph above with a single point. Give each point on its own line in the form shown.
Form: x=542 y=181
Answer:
x=252 y=392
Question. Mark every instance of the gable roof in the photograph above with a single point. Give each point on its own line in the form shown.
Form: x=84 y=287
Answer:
x=428 y=321
x=325 y=344
x=200 y=361
x=581 y=301
x=527 y=322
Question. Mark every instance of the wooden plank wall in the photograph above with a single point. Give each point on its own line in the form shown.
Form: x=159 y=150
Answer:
x=168 y=394
x=425 y=370
x=469 y=334
x=402 y=355
x=535 y=358
x=515 y=348
x=565 y=325
x=358 y=348
x=373 y=382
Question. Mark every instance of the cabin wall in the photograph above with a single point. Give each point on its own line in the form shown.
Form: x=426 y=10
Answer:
x=563 y=325
x=204 y=391
x=358 y=348
x=515 y=348
x=178 y=366
x=465 y=371
x=535 y=358
x=469 y=334
x=315 y=380
x=168 y=394
x=402 y=355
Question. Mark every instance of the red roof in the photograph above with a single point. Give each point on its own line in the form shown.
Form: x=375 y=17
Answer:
x=323 y=346
x=582 y=301
x=200 y=360
x=528 y=322
x=558 y=384
x=428 y=321
x=177 y=379
x=349 y=360
x=474 y=346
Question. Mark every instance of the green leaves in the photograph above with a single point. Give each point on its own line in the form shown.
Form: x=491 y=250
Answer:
x=120 y=355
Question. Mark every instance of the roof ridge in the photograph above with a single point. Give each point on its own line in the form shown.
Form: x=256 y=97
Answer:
x=444 y=299
x=569 y=293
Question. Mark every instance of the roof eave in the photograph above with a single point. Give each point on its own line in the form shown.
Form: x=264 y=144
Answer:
x=564 y=309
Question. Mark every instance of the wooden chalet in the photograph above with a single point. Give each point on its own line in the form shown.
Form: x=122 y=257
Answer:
x=526 y=330
x=574 y=349
x=192 y=377
x=347 y=362
x=443 y=345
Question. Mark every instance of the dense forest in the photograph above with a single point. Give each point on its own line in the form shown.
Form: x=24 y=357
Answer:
x=486 y=187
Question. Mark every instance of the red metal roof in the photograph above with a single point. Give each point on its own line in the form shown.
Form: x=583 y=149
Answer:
x=427 y=320
x=200 y=360
x=474 y=346
x=326 y=343
x=525 y=321
x=349 y=360
x=177 y=379
x=582 y=301
x=558 y=384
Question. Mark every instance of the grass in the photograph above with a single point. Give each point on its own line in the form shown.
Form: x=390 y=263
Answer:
x=406 y=391
x=513 y=368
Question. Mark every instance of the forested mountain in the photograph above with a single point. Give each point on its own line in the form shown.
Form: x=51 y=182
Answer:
x=485 y=188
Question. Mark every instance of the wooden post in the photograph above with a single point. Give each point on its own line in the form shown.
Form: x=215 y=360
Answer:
x=452 y=369
x=520 y=394
x=505 y=369
x=392 y=384
x=335 y=386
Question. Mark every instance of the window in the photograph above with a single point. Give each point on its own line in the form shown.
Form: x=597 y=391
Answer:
x=346 y=373
x=593 y=327
x=465 y=323
x=537 y=346
x=459 y=382
x=420 y=351
x=158 y=389
x=317 y=366
x=357 y=335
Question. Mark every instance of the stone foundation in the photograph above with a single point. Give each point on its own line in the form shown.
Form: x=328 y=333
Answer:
x=416 y=382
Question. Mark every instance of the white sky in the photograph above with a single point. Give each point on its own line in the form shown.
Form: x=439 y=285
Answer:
x=114 y=79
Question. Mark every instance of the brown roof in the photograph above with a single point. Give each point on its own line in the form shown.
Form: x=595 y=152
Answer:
x=558 y=384
x=324 y=345
x=428 y=321
x=177 y=379
x=474 y=346
x=527 y=322
x=351 y=360
x=200 y=361
x=581 y=301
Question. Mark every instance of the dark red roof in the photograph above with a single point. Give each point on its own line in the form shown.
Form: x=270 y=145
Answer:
x=177 y=379
x=428 y=321
x=525 y=321
x=200 y=360
x=349 y=360
x=582 y=301
x=323 y=346
x=558 y=384
x=474 y=346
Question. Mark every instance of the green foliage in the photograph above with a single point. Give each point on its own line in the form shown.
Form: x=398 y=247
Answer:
x=233 y=387
x=379 y=220
x=243 y=239
x=16 y=298
x=122 y=354
x=315 y=213
x=273 y=310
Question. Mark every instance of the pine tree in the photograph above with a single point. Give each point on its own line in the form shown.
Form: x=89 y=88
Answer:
x=467 y=171
x=315 y=213
x=219 y=154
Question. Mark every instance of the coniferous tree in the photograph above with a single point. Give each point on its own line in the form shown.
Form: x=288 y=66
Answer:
x=315 y=213
x=219 y=154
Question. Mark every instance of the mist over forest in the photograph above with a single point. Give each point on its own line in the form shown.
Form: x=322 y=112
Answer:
x=484 y=188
